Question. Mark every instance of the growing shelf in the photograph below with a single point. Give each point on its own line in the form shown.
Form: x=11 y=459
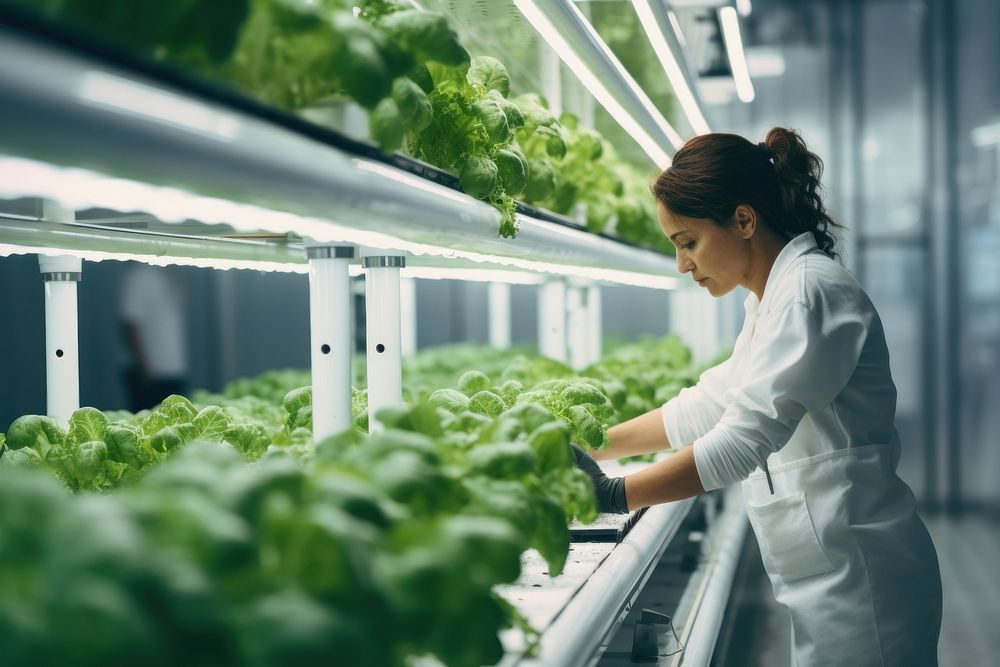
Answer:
x=86 y=132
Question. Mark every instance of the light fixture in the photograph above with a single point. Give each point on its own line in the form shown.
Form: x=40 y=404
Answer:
x=663 y=39
x=464 y=274
x=9 y=250
x=78 y=189
x=744 y=7
x=734 y=47
x=659 y=151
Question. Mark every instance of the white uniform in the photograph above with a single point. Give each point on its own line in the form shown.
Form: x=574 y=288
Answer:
x=806 y=404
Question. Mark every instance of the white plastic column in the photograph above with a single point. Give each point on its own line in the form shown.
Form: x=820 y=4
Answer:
x=552 y=320
x=578 y=324
x=498 y=299
x=551 y=77
x=330 y=338
x=595 y=323
x=408 y=316
x=385 y=367
x=62 y=356
x=694 y=316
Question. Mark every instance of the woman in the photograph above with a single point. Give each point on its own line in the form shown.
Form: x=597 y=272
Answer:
x=801 y=413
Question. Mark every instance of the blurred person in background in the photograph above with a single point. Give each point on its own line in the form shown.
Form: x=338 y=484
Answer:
x=802 y=413
x=152 y=312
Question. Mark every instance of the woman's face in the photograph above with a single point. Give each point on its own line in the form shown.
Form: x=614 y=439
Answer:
x=718 y=258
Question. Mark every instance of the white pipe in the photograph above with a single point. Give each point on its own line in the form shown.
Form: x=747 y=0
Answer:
x=701 y=628
x=595 y=324
x=579 y=343
x=62 y=354
x=552 y=320
x=551 y=78
x=498 y=298
x=694 y=316
x=586 y=624
x=330 y=338
x=408 y=316
x=385 y=363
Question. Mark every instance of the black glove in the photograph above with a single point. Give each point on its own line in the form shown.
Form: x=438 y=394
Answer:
x=610 y=491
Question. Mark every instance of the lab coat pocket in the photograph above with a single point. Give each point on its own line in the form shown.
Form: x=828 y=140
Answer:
x=788 y=541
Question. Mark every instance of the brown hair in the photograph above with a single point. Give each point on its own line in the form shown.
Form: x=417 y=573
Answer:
x=780 y=178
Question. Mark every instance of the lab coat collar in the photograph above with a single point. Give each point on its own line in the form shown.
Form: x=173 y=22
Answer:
x=799 y=245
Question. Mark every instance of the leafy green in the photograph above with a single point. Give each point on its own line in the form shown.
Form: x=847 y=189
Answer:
x=490 y=74
x=512 y=169
x=386 y=123
x=478 y=176
x=414 y=106
x=426 y=35
x=190 y=555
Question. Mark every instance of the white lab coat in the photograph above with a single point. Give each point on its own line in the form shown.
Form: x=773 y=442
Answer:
x=806 y=404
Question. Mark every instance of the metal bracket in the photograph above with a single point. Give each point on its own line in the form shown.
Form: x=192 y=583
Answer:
x=62 y=276
x=383 y=261
x=645 y=638
x=331 y=252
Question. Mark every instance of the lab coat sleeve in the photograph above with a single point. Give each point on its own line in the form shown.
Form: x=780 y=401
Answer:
x=801 y=360
x=695 y=410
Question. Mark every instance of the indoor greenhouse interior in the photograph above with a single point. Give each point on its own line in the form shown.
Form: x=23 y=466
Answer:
x=530 y=333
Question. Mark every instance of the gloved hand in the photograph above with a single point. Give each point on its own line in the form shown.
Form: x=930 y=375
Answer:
x=610 y=491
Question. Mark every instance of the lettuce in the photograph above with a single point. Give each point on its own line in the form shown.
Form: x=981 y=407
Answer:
x=489 y=74
x=426 y=35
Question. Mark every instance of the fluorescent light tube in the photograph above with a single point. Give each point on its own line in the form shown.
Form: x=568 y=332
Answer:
x=656 y=30
x=78 y=189
x=7 y=250
x=737 y=59
x=656 y=151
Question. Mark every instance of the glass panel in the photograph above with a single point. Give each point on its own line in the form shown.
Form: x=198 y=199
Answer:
x=894 y=138
x=893 y=145
x=979 y=246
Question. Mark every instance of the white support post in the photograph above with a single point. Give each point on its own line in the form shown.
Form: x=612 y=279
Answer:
x=408 y=316
x=694 y=316
x=330 y=337
x=385 y=362
x=498 y=299
x=594 y=324
x=552 y=320
x=579 y=324
x=551 y=77
x=62 y=356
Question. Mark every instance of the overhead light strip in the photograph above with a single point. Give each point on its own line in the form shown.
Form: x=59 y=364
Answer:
x=654 y=149
x=78 y=189
x=8 y=250
x=730 y=21
x=656 y=27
